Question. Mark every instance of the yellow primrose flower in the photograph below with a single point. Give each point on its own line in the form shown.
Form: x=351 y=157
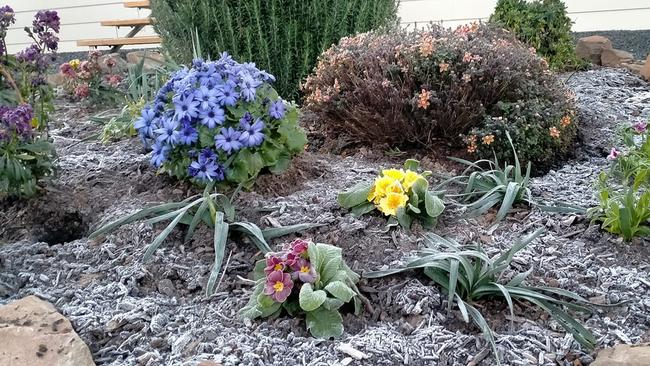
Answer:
x=74 y=63
x=409 y=179
x=395 y=187
x=389 y=204
x=379 y=188
x=397 y=174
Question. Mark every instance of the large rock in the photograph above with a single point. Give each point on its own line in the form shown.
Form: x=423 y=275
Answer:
x=152 y=59
x=591 y=48
x=645 y=71
x=633 y=67
x=33 y=333
x=112 y=63
x=613 y=57
x=624 y=355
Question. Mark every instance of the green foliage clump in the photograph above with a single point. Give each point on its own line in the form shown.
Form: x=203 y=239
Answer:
x=212 y=209
x=305 y=278
x=544 y=25
x=623 y=192
x=283 y=37
x=423 y=89
x=469 y=275
x=486 y=184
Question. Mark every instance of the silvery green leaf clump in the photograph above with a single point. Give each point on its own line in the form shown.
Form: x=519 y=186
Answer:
x=305 y=278
x=220 y=121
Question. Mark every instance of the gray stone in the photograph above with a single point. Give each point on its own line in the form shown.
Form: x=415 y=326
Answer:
x=624 y=355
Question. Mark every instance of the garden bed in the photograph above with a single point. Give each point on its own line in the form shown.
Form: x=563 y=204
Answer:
x=151 y=314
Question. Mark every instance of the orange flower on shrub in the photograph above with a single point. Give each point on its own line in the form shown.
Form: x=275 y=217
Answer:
x=443 y=66
x=554 y=132
x=488 y=139
x=471 y=143
x=566 y=120
x=427 y=46
x=423 y=101
x=467 y=58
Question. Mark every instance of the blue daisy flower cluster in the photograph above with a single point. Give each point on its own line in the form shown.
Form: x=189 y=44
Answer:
x=219 y=120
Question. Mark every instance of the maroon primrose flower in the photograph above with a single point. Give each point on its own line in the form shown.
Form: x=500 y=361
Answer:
x=299 y=247
x=304 y=271
x=273 y=264
x=278 y=286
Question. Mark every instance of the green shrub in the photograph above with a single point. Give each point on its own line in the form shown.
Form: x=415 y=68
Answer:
x=284 y=37
x=427 y=88
x=544 y=25
x=468 y=276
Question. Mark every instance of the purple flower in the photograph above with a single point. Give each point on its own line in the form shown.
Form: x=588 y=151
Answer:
x=278 y=286
x=226 y=95
x=640 y=127
x=277 y=110
x=613 y=154
x=213 y=116
x=303 y=270
x=145 y=124
x=45 y=19
x=186 y=106
x=248 y=87
x=189 y=134
x=206 y=170
x=228 y=140
x=207 y=97
x=168 y=133
x=29 y=54
x=251 y=135
x=274 y=263
x=18 y=119
x=159 y=154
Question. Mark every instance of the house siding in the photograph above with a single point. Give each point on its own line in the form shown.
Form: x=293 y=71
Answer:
x=80 y=18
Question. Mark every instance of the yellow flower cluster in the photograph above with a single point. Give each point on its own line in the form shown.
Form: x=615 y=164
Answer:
x=390 y=190
x=74 y=63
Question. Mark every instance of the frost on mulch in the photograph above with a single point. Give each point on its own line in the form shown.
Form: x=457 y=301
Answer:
x=156 y=314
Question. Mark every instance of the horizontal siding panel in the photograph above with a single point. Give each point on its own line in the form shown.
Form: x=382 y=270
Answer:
x=80 y=18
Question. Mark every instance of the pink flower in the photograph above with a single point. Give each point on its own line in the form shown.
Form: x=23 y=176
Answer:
x=278 y=286
x=273 y=264
x=82 y=91
x=640 y=127
x=304 y=271
x=67 y=70
x=613 y=154
x=110 y=62
x=113 y=80
x=299 y=247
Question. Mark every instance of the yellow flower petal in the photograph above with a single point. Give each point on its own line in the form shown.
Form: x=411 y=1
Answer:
x=379 y=189
x=397 y=174
x=389 y=204
x=409 y=179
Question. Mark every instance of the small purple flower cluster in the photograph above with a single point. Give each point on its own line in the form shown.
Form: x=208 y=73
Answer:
x=7 y=18
x=284 y=268
x=16 y=121
x=44 y=33
x=205 y=100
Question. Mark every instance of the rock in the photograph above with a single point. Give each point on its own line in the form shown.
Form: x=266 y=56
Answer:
x=613 y=57
x=624 y=355
x=112 y=63
x=634 y=68
x=208 y=363
x=591 y=48
x=645 y=71
x=152 y=59
x=33 y=333
x=56 y=79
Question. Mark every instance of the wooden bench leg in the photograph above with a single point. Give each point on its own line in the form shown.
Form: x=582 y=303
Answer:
x=131 y=34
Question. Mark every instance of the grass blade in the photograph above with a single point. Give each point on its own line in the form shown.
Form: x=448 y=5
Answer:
x=220 y=239
x=144 y=213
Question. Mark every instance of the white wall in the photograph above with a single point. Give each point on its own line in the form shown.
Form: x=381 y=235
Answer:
x=80 y=18
x=588 y=15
